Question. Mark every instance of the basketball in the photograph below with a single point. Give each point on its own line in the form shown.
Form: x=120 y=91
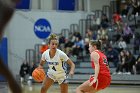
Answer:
x=38 y=75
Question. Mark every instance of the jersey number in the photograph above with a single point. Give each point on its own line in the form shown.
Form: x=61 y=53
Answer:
x=105 y=61
x=53 y=68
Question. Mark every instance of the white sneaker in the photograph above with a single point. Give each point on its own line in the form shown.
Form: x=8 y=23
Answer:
x=114 y=73
x=119 y=73
x=29 y=82
x=128 y=73
x=30 y=77
x=21 y=79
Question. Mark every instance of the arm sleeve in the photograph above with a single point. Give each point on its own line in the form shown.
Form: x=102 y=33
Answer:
x=63 y=56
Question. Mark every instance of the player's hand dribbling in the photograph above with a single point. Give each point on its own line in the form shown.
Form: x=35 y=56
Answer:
x=40 y=67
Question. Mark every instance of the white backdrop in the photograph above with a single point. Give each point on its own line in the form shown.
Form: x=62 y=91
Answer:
x=21 y=35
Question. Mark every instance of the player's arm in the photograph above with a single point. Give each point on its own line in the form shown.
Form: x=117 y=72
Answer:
x=6 y=12
x=72 y=67
x=96 y=63
x=95 y=57
x=42 y=61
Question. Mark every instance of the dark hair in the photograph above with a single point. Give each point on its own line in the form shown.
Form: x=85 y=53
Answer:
x=53 y=37
x=97 y=43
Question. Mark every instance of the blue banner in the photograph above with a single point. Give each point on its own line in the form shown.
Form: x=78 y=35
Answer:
x=4 y=54
x=23 y=4
x=66 y=5
x=42 y=28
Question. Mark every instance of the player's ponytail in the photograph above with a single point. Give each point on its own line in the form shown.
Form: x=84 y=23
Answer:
x=97 y=43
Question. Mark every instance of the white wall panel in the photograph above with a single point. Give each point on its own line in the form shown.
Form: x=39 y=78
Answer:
x=35 y=4
x=46 y=4
x=21 y=35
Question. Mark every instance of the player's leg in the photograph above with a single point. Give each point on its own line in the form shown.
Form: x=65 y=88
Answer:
x=6 y=12
x=85 y=88
x=64 y=88
x=46 y=84
x=14 y=86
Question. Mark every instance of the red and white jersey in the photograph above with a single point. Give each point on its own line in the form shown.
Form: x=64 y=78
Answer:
x=103 y=63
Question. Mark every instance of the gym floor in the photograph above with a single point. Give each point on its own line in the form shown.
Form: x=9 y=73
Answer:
x=35 y=88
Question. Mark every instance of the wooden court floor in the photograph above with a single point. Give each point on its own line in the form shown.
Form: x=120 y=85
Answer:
x=35 y=88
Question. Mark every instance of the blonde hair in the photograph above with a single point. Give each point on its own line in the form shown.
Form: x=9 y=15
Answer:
x=53 y=37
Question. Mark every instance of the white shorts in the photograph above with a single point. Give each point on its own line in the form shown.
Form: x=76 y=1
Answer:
x=58 y=77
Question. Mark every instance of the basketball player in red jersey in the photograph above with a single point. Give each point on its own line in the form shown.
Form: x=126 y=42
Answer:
x=6 y=12
x=101 y=78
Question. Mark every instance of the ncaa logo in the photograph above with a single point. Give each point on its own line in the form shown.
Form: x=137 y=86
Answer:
x=42 y=28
